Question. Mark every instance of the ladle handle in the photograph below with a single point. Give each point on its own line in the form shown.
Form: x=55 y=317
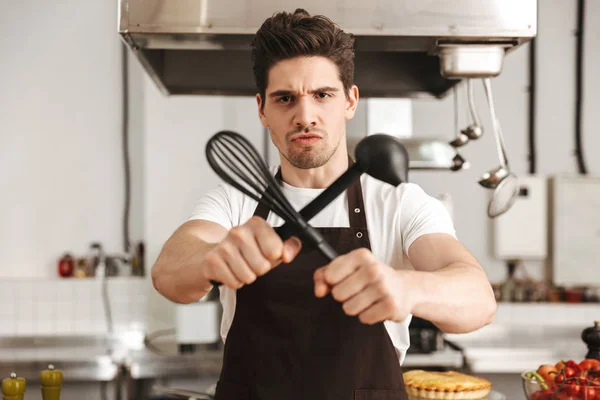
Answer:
x=487 y=85
x=287 y=230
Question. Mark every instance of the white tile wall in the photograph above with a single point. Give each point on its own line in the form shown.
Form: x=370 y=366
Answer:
x=43 y=307
x=31 y=307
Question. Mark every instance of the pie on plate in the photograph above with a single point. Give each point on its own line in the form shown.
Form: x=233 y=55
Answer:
x=449 y=385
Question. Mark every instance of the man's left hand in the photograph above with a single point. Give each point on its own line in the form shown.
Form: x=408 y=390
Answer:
x=366 y=287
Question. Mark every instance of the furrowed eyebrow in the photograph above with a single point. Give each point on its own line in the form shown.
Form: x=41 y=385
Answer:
x=278 y=93
x=325 y=89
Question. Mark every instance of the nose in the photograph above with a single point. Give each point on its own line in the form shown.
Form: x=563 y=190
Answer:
x=305 y=113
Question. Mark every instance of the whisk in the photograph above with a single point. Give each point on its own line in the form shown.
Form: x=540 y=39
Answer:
x=238 y=163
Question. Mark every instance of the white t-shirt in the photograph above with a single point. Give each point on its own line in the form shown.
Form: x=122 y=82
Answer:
x=396 y=217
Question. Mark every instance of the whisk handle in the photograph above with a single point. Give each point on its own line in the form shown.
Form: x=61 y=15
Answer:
x=285 y=231
x=311 y=236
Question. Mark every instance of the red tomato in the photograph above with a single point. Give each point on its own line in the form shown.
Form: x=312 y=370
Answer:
x=564 y=396
x=559 y=378
x=569 y=372
x=548 y=394
x=593 y=373
x=539 y=395
x=575 y=390
x=590 y=392
x=589 y=363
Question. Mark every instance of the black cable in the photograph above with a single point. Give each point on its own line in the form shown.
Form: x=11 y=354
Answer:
x=125 y=145
x=532 y=66
x=579 y=87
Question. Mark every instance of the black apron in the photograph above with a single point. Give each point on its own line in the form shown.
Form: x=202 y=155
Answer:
x=287 y=344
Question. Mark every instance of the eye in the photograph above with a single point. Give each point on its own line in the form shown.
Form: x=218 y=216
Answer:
x=323 y=95
x=284 y=99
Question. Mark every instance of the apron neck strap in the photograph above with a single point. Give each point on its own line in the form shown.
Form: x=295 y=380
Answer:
x=356 y=208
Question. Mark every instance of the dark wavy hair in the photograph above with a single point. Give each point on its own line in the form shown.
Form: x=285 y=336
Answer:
x=288 y=35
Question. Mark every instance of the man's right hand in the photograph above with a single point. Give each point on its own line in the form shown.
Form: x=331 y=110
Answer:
x=247 y=252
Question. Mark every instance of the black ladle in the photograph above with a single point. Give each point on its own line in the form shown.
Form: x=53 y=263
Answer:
x=381 y=156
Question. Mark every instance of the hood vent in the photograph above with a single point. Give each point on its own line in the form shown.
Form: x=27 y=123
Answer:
x=404 y=48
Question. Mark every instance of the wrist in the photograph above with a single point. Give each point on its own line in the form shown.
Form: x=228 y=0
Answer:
x=191 y=280
x=191 y=284
x=412 y=288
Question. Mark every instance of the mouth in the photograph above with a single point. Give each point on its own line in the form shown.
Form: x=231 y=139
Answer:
x=306 y=138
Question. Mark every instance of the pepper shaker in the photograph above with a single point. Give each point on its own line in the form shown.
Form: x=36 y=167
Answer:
x=51 y=382
x=13 y=388
x=591 y=337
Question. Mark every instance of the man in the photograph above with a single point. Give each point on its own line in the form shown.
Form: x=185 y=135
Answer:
x=294 y=326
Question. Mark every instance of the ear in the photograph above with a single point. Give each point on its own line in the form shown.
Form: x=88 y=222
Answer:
x=261 y=112
x=351 y=102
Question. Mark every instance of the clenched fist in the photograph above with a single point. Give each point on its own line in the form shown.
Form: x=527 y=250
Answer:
x=366 y=287
x=247 y=252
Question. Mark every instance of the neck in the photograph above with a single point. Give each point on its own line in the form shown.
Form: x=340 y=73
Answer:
x=320 y=177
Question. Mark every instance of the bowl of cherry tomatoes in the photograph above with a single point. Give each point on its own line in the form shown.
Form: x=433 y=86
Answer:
x=566 y=380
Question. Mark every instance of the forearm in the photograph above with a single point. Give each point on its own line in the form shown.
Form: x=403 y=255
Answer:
x=457 y=298
x=177 y=273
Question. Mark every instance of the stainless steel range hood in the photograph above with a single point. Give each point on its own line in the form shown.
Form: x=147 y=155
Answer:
x=404 y=48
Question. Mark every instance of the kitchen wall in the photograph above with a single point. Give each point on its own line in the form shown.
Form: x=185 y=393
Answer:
x=62 y=174
x=61 y=166
x=555 y=123
x=60 y=141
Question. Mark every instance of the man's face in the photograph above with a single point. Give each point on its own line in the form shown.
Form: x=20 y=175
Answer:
x=306 y=110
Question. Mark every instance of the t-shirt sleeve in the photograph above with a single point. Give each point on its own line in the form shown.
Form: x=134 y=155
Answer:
x=421 y=214
x=215 y=206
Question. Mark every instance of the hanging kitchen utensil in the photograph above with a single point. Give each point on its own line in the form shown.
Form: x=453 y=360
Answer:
x=383 y=157
x=238 y=163
x=474 y=130
x=501 y=179
x=461 y=139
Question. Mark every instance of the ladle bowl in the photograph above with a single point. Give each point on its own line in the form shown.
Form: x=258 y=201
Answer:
x=383 y=157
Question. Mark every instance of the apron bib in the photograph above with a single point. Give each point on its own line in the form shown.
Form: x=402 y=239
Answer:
x=286 y=344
